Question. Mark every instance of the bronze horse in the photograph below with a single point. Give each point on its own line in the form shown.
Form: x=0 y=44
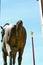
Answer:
x=17 y=41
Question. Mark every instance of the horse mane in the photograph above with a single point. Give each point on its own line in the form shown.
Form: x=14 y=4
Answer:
x=6 y=24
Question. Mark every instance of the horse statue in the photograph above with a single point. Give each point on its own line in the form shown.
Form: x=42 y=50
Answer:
x=14 y=40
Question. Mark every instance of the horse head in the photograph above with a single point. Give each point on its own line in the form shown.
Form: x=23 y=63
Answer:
x=2 y=32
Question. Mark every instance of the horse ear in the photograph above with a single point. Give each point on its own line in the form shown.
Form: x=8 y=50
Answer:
x=1 y=27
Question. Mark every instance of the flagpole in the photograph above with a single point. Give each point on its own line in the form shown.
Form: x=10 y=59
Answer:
x=33 y=48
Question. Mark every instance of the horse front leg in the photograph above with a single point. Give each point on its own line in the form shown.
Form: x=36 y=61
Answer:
x=4 y=56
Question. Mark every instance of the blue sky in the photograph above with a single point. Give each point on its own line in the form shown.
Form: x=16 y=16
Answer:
x=28 y=11
x=0 y=6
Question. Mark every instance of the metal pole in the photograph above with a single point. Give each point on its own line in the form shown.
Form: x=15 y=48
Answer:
x=33 y=48
x=33 y=52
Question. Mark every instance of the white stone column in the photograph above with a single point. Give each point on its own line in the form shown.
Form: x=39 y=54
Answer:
x=41 y=16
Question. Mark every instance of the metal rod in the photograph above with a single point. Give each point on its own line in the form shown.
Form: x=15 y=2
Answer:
x=33 y=52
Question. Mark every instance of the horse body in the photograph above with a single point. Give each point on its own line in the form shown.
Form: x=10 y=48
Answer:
x=16 y=39
x=21 y=38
